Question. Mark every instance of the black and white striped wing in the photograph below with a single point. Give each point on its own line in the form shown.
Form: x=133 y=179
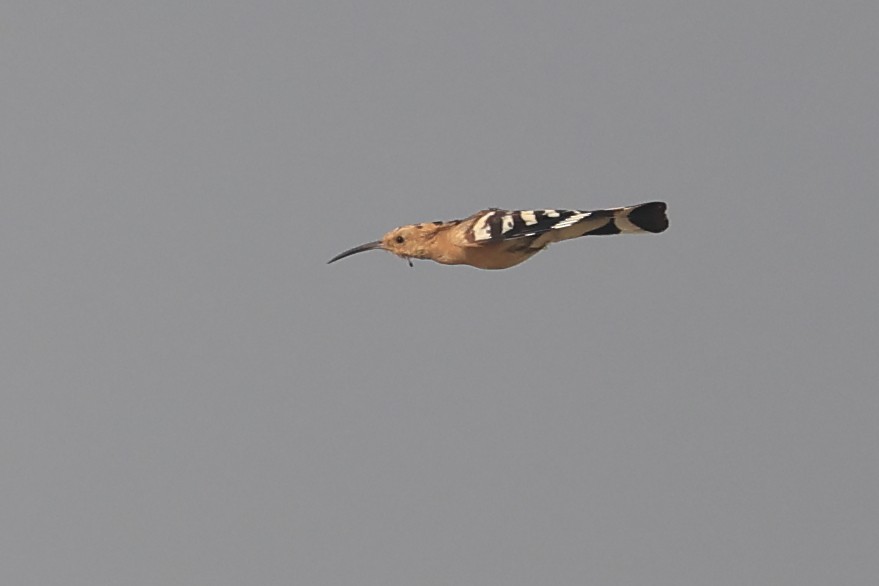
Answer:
x=545 y=226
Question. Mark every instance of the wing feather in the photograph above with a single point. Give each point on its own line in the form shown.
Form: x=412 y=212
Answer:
x=542 y=227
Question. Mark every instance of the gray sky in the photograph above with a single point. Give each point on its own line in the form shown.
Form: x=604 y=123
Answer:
x=190 y=395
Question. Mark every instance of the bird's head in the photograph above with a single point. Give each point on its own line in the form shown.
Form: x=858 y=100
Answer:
x=407 y=242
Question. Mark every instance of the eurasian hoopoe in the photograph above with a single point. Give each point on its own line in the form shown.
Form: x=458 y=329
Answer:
x=500 y=239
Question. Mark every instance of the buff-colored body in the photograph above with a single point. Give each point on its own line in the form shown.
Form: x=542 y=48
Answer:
x=447 y=244
x=499 y=239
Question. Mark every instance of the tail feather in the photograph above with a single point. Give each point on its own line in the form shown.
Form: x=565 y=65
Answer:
x=648 y=217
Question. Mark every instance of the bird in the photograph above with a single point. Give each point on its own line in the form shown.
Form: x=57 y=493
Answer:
x=499 y=239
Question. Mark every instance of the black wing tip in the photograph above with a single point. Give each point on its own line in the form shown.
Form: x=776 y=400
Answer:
x=650 y=216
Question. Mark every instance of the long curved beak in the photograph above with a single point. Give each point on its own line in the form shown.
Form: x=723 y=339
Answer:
x=356 y=249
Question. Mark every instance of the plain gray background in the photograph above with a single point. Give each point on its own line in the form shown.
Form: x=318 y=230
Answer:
x=190 y=395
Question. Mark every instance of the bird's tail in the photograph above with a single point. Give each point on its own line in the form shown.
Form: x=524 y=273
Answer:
x=645 y=217
x=637 y=219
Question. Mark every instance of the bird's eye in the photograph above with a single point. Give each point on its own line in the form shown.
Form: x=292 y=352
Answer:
x=399 y=239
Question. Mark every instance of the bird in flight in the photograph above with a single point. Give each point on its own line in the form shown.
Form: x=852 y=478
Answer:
x=500 y=239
